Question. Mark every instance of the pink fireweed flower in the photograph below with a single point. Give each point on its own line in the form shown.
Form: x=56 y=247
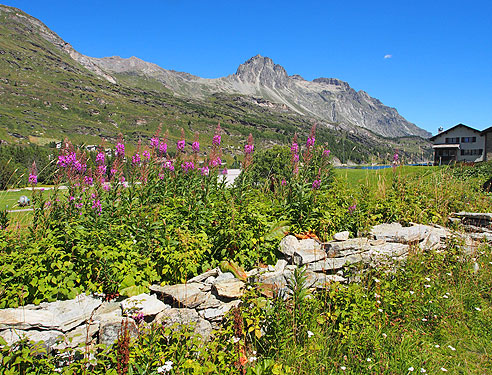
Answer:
x=88 y=180
x=106 y=186
x=294 y=148
x=154 y=142
x=248 y=149
x=283 y=183
x=96 y=205
x=113 y=171
x=169 y=165
x=216 y=140
x=352 y=208
x=120 y=149
x=136 y=159
x=195 y=146
x=71 y=198
x=181 y=145
x=224 y=171
x=146 y=155
x=188 y=166
x=310 y=141
x=163 y=148
x=204 y=171
x=395 y=157
x=326 y=153
x=100 y=158
x=296 y=158
x=161 y=176
x=101 y=170
x=215 y=162
x=33 y=179
x=316 y=184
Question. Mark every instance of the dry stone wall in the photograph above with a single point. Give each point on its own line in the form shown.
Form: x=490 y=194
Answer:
x=204 y=300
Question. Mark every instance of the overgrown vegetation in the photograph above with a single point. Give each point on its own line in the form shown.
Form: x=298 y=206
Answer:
x=124 y=224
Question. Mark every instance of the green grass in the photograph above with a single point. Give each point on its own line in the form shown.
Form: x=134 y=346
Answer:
x=368 y=177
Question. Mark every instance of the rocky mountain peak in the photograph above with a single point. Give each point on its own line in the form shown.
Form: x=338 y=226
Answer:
x=333 y=82
x=262 y=71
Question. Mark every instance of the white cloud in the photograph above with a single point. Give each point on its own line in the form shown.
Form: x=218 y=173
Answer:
x=388 y=56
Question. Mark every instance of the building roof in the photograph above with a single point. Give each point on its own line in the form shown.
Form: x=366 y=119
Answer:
x=454 y=127
x=489 y=129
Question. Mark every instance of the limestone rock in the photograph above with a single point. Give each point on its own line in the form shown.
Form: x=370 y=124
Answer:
x=225 y=276
x=60 y=315
x=144 y=304
x=333 y=264
x=218 y=313
x=347 y=247
x=183 y=317
x=280 y=265
x=230 y=288
x=394 y=232
x=289 y=245
x=211 y=301
x=206 y=275
x=79 y=336
x=324 y=280
x=341 y=236
x=109 y=330
x=49 y=338
x=308 y=251
x=189 y=295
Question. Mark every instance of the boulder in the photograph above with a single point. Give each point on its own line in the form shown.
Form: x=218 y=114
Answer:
x=304 y=255
x=189 y=295
x=324 y=280
x=211 y=301
x=334 y=264
x=289 y=245
x=347 y=247
x=143 y=304
x=280 y=265
x=177 y=318
x=225 y=276
x=341 y=236
x=233 y=288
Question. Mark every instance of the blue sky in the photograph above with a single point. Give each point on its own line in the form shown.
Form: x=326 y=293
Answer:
x=437 y=70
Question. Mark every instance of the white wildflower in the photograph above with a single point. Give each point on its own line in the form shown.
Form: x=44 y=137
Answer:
x=369 y=359
x=377 y=295
x=427 y=279
x=443 y=369
x=437 y=346
x=343 y=368
x=478 y=309
x=445 y=296
x=412 y=292
x=309 y=333
x=168 y=366
x=378 y=302
x=235 y=339
x=252 y=359
x=422 y=370
x=380 y=310
x=449 y=274
x=424 y=319
x=384 y=335
x=254 y=352
x=427 y=286
x=452 y=348
x=411 y=369
x=377 y=280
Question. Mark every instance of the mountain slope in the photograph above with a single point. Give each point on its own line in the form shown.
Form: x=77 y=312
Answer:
x=325 y=98
x=49 y=91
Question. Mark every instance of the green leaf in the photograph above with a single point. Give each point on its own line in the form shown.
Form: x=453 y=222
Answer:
x=277 y=230
x=134 y=290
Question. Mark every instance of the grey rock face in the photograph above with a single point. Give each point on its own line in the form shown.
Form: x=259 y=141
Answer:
x=79 y=336
x=233 y=288
x=396 y=233
x=288 y=245
x=50 y=338
x=215 y=314
x=110 y=329
x=308 y=251
x=341 y=236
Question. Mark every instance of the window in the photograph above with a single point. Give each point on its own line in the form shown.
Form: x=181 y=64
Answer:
x=472 y=152
x=468 y=139
x=453 y=140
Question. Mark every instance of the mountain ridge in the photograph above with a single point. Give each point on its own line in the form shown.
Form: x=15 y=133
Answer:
x=329 y=99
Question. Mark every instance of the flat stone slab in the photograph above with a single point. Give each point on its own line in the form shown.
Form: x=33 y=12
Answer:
x=50 y=337
x=474 y=215
x=204 y=276
x=395 y=232
x=233 y=288
x=341 y=236
x=218 y=313
x=143 y=304
x=59 y=315
x=189 y=295
x=308 y=255
x=184 y=317
x=323 y=280
x=211 y=301
x=347 y=247
x=334 y=264
x=109 y=330
x=389 y=249
x=79 y=336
